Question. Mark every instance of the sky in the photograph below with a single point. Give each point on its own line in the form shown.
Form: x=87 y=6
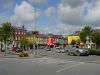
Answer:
x=52 y=16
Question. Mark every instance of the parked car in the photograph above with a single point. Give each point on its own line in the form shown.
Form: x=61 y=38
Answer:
x=75 y=50
x=59 y=50
x=48 y=49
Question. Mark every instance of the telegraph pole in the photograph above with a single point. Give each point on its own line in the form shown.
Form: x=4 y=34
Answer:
x=35 y=28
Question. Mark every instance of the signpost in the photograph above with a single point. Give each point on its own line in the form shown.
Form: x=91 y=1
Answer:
x=87 y=39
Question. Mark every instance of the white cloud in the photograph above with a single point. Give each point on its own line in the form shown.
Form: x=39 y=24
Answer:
x=69 y=15
x=93 y=15
x=72 y=19
x=60 y=29
x=37 y=1
x=75 y=16
x=50 y=12
x=24 y=12
x=73 y=3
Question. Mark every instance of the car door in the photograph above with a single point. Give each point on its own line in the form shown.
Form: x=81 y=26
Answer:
x=73 y=49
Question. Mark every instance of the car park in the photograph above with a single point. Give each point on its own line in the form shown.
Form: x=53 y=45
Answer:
x=75 y=50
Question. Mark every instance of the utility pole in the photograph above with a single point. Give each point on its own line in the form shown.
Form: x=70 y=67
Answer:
x=35 y=28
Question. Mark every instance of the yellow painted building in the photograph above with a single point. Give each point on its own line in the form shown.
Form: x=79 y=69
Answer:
x=73 y=37
x=32 y=39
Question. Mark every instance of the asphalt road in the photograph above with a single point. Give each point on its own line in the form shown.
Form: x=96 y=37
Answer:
x=63 y=56
x=50 y=64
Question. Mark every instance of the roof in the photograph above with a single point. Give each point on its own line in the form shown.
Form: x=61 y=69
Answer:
x=96 y=30
x=29 y=33
x=20 y=28
x=75 y=33
x=42 y=35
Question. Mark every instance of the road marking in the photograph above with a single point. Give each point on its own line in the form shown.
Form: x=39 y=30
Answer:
x=96 y=61
x=68 y=67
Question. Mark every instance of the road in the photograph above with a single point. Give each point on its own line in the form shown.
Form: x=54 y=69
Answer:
x=50 y=64
x=63 y=56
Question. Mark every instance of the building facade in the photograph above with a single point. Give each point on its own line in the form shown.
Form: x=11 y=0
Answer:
x=73 y=37
x=56 y=40
x=19 y=32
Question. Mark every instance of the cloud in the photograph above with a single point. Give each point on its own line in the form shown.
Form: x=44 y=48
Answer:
x=24 y=12
x=93 y=15
x=60 y=29
x=69 y=15
x=73 y=3
x=50 y=12
x=85 y=14
x=72 y=18
x=37 y=1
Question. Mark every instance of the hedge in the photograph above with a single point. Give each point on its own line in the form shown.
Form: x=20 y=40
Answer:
x=94 y=52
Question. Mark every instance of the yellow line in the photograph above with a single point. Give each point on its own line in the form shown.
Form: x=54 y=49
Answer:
x=96 y=61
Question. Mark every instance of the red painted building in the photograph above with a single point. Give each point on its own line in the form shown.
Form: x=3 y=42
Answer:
x=50 y=40
x=55 y=40
x=19 y=32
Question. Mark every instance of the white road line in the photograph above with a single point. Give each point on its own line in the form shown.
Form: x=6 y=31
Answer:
x=68 y=67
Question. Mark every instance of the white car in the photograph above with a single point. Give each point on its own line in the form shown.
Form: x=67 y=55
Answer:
x=60 y=50
x=71 y=49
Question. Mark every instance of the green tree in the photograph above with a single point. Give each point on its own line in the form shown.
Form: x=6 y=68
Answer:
x=73 y=42
x=96 y=38
x=1 y=38
x=87 y=31
x=7 y=32
x=23 y=43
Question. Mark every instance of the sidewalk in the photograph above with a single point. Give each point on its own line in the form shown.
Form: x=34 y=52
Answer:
x=31 y=56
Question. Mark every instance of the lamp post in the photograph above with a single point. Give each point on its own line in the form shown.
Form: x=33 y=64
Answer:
x=34 y=28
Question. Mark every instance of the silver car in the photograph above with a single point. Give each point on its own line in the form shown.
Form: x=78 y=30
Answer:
x=75 y=50
x=60 y=50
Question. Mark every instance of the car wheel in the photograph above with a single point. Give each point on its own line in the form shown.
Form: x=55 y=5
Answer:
x=67 y=53
x=78 y=53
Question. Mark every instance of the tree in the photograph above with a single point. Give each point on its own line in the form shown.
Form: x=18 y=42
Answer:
x=1 y=38
x=73 y=42
x=96 y=38
x=87 y=31
x=6 y=32
x=23 y=42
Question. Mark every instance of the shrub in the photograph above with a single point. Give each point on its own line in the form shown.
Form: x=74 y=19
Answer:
x=23 y=54
x=98 y=52
x=94 y=52
x=26 y=54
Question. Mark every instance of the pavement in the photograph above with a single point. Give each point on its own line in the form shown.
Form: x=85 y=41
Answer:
x=16 y=55
x=51 y=63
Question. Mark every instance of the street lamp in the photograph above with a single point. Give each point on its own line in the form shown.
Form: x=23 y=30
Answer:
x=34 y=32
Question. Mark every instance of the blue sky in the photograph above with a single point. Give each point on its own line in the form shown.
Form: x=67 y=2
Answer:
x=53 y=16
